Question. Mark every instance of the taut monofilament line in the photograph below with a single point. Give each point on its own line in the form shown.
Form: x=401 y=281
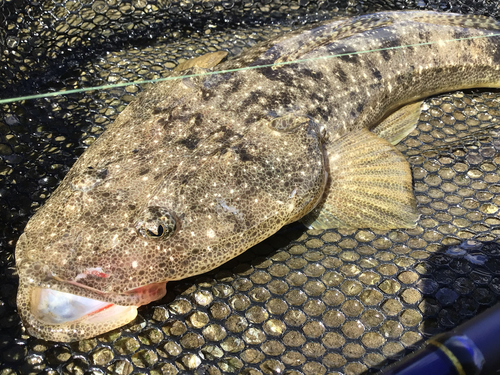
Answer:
x=173 y=78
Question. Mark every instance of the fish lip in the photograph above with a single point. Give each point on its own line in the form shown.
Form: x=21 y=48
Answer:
x=138 y=296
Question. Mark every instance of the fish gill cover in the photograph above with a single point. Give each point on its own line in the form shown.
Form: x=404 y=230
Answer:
x=308 y=302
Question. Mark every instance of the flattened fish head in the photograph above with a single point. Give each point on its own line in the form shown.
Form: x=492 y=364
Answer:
x=111 y=236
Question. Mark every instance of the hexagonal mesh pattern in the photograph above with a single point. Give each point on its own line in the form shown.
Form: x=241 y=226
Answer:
x=305 y=302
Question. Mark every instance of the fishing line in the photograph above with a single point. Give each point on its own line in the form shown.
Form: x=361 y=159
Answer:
x=123 y=84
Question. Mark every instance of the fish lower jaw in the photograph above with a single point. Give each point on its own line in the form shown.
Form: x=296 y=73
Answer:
x=60 y=316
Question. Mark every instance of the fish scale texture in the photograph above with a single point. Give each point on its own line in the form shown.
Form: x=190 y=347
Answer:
x=306 y=302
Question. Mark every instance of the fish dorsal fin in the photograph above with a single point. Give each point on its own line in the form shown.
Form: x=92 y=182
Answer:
x=370 y=186
x=449 y=19
x=206 y=61
x=336 y=31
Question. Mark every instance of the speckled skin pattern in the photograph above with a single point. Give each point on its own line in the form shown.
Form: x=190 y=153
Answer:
x=197 y=170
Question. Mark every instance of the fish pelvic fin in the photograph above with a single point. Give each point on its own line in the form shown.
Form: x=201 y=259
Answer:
x=369 y=186
x=399 y=124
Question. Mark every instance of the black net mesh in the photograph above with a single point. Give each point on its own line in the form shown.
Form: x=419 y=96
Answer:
x=304 y=302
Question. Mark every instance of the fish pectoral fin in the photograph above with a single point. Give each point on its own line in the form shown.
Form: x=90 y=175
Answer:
x=206 y=61
x=369 y=186
x=399 y=124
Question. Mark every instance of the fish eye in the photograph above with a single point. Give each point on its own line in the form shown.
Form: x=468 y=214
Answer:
x=156 y=222
x=159 y=232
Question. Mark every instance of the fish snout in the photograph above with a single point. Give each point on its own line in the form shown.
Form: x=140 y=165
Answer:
x=55 y=305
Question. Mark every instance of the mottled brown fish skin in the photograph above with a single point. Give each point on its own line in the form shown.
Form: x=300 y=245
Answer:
x=221 y=162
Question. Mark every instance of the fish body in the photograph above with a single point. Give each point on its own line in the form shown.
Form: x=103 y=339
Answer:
x=197 y=170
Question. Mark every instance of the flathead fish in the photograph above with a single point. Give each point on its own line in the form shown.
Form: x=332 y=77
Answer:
x=197 y=170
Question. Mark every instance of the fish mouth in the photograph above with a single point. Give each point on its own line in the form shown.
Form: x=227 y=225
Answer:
x=54 y=315
x=54 y=307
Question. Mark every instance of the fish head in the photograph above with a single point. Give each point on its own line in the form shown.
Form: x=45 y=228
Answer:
x=111 y=235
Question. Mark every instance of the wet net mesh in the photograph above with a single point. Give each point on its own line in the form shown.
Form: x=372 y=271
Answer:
x=302 y=302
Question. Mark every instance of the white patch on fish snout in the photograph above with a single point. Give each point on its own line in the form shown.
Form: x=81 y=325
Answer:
x=210 y=233
x=227 y=208
x=290 y=206
x=89 y=179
